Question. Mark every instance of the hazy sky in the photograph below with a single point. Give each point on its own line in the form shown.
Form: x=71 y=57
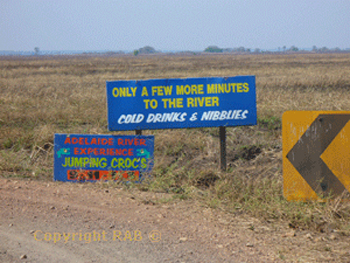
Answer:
x=172 y=24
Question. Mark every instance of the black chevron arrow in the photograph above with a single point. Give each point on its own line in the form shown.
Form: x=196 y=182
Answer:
x=305 y=155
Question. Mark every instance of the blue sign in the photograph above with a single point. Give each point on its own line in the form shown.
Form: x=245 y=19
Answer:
x=181 y=103
x=79 y=157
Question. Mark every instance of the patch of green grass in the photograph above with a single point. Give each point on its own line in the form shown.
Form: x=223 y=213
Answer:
x=271 y=123
x=8 y=143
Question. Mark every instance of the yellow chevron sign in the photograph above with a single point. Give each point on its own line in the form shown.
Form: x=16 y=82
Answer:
x=316 y=154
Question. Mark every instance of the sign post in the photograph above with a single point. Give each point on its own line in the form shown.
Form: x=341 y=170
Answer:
x=222 y=148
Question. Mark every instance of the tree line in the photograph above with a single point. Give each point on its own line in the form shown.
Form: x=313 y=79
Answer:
x=216 y=49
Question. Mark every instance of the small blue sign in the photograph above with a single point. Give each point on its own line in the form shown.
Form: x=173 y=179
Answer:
x=81 y=157
x=181 y=103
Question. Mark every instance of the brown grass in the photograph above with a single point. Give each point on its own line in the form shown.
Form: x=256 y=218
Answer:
x=40 y=96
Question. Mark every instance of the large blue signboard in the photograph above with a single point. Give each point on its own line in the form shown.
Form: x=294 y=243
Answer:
x=81 y=157
x=181 y=103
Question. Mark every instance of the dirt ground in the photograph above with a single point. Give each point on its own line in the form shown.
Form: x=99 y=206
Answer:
x=64 y=222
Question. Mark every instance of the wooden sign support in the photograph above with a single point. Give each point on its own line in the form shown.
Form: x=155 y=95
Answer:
x=223 y=148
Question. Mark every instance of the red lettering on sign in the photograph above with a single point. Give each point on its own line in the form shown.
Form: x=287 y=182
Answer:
x=86 y=175
x=120 y=142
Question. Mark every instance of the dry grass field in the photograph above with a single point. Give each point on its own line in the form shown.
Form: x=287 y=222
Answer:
x=41 y=96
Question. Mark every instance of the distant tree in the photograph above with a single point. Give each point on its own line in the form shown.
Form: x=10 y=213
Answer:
x=257 y=50
x=324 y=49
x=241 y=49
x=147 y=50
x=294 y=48
x=36 y=50
x=314 y=48
x=284 y=48
x=136 y=52
x=213 y=49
